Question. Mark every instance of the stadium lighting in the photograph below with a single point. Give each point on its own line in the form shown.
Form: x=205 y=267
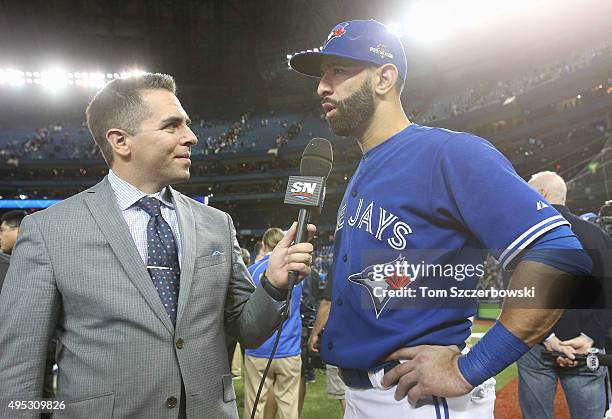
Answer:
x=431 y=21
x=12 y=77
x=133 y=73
x=395 y=29
x=96 y=80
x=54 y=79
x=434 y=20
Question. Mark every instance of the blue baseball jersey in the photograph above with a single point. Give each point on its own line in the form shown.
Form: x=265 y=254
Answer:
x=432 y=198
x=290 y=340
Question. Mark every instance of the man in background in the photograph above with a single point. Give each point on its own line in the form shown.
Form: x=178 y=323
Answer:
x=9 y=230
x=284 y=374
x=576 y=331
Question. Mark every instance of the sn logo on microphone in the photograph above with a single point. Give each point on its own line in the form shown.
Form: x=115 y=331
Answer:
x=303 y=190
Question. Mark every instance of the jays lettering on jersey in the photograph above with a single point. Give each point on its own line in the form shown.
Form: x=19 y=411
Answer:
x=422 y=189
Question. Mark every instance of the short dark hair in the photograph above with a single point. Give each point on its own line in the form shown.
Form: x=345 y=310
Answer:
x=13 y=218
x=119 y=104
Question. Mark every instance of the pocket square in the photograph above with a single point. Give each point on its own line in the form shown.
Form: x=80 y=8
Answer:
x=217 y=253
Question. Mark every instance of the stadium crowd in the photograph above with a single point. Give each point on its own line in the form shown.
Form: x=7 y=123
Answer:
x=266 y=129
x=487 y=94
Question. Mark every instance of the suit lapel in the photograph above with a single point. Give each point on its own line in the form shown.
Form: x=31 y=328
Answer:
x=187 y=230
x=103 y=207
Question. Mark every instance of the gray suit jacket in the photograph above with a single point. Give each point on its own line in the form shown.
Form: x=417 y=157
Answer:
x=4 y=264
x=76 y=273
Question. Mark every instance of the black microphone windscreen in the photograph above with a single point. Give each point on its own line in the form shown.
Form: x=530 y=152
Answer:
x=317 y=158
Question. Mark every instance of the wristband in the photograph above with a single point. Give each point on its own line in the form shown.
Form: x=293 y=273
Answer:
x=276 y=293
x=497 y=349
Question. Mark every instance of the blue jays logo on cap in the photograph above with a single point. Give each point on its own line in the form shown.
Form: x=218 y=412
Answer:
x=339 y=30
x=367 y=41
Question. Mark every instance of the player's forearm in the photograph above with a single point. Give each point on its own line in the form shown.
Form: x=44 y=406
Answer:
x=322 y=316
x=530 y=325
x=531 y=319
x=523 y=322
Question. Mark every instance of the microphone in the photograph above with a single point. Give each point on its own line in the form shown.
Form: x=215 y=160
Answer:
x=593 y=359
x=307 y=191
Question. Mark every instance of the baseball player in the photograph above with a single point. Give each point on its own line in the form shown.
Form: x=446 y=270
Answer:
x=416 y=189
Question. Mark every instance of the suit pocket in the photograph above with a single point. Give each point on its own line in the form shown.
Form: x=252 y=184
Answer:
x=209 y=260
x=97 y=406
x=228 y=388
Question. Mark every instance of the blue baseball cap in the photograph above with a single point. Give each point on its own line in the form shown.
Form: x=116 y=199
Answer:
x=361 y=40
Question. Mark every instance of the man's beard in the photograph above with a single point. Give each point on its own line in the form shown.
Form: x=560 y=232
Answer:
x=352 y=113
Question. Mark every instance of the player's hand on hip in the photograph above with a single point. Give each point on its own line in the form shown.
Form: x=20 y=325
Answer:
x=286 y=257
x=427 y=371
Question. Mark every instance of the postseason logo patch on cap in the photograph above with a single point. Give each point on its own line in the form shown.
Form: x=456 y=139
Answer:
x=339 y=30
x=382 y=50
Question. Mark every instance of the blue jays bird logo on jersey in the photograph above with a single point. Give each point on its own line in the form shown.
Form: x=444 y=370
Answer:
x=339 y=30
x=378 y=289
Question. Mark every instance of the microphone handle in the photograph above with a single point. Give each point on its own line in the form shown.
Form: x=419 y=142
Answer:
x=604 y=359
x=300 y=237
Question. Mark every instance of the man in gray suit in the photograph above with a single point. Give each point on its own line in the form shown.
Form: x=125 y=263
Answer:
x=139 y=283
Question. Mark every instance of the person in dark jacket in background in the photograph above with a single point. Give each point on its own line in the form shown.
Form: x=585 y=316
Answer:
x=577 y=330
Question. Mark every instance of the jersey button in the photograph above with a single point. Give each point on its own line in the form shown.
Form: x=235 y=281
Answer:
x=354 y=194
x=345 y=258
x=330 y=346
x=339 y=301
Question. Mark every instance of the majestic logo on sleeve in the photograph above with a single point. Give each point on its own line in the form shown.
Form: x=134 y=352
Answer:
x=339 y=30
x=381 y=290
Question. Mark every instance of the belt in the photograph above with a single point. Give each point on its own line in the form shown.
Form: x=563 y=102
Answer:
x=360 y=378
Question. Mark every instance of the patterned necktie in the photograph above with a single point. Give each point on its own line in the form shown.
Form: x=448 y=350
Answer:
x=163 y=265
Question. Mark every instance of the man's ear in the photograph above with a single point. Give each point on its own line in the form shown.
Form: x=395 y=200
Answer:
x=385 y=79
x=117 y=138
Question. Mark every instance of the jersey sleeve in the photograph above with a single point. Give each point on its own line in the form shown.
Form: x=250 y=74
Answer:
x=477 y=187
